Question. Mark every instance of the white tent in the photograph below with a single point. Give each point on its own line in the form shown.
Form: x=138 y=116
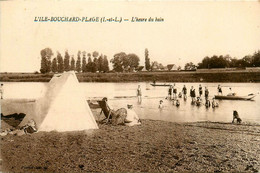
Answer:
x=63 y=107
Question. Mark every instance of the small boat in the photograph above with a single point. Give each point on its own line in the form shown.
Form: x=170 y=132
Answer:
x=163 y=85
x=248 y=97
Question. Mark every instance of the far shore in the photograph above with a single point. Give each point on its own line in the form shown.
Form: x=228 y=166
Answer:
x=221 y=75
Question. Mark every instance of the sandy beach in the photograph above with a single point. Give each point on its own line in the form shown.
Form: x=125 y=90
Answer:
x=154 y=146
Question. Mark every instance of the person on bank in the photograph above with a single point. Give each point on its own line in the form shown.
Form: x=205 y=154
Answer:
x=236 y=117
x=131 y=118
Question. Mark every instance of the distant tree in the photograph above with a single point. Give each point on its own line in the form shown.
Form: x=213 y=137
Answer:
x=67 y=61
x=46 y=60
x=78 y=63
x=100 y=62
x=189 y=66
x=133 y=60
x=170 y=66
x=89 y=64
x=95 y=54
x=154 y=66
x=84 y=63
x=119 y=61
x=105 y=64
x=161 y=67
x=54 y=66
x=43 y=65
x=140 y=68
x=147 y=60
x=94 y=66
x=72 y=64
x=179 y=68
x=256 y=59
x=60 y=63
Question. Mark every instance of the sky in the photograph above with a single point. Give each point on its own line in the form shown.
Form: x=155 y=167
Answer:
x=190 y=30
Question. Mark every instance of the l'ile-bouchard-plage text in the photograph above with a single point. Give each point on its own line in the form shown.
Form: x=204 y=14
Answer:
x=97 y=19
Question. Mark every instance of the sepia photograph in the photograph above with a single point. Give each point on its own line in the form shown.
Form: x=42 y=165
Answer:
x=129 y=86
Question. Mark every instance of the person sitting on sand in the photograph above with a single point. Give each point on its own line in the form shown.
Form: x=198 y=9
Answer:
x=214 y=103
x=236 y=116
x=29 y=128
x=160 y=104
x=110 y=108
x=131 y=118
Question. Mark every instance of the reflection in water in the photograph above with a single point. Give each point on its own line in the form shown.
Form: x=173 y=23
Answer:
x=121 y=94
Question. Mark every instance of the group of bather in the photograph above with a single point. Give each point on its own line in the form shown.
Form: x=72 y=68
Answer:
x=173 y=95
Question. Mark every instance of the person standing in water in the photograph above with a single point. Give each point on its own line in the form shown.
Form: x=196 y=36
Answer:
x=139 y=94
x=170 y=92
x=206 y=93
x=174 y=92
x=184 y=91
x=192 y=94
x=200 y=90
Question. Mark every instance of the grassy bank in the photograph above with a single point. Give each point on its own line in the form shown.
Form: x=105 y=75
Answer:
x=196 y=76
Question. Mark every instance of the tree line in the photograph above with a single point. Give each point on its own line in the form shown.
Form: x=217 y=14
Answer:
x=229 y=62
x=95 y=62
x=122 y=62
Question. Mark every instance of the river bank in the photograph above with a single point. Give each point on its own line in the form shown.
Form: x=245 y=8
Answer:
x=154 y=146
x=178 y=76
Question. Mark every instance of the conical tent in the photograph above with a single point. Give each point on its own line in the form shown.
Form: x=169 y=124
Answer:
x=64 y=107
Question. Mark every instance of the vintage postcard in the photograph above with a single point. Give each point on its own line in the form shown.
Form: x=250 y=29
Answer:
x=130 y=86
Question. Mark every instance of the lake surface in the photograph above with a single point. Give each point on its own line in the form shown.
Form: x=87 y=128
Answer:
x=121 y=94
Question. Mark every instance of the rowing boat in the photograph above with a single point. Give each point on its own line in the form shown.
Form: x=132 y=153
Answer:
x=248 y=97
x=163 y=85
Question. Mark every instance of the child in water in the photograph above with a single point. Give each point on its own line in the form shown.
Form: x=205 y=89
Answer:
x=207 y=104
x=198 y=101
x=160 y=104
x=214 y=103
x=177 y=103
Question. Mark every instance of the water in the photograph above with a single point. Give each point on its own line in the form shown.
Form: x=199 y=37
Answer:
x=121 y=94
